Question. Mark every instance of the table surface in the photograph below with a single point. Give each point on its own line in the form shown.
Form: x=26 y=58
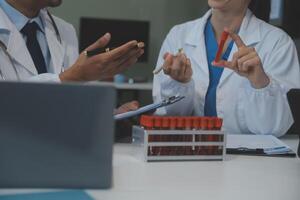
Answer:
x=239 y=177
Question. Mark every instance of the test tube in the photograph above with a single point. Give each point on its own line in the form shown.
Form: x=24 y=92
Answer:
x=223 y=40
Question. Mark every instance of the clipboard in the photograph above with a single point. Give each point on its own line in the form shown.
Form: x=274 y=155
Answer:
x=258 y=152
x=149 y=108
x=258 y=145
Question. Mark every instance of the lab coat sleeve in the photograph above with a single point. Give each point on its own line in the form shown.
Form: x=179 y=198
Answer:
x=164 y=86
x=267 y=111
x=72 y=47
x=47 y=77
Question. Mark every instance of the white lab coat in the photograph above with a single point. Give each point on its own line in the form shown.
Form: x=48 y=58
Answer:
x=63 y=54
x=244 y=109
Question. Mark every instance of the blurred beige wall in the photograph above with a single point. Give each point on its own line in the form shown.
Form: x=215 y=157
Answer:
x=162 y=14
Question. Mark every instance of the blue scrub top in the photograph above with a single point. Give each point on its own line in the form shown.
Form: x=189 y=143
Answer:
x=215 y=73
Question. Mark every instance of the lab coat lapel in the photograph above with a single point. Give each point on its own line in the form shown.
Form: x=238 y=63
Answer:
x=196 y=41
x=57 y=51
x=250 y=34
x=18 y=50
x=16 y=45
x=198 y=56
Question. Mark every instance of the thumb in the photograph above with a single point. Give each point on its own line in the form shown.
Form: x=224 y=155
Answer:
x=169 y=59
x=100 y=43
x=166 y=55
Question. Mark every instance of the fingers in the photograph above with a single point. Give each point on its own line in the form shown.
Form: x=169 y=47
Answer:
x=238 y=58
x=119 y=52
x=166 y=55
x=119 y=59
x=241 y=57
x=100 y=43
x=134 y=105
x=167 y=67
x=243 y=50
x=131 y=106
x=126 y=62
x=178 y=67
x=188 y=70
x=246 y=62
x=249 y=64
x=123 y=50
x=242 y=62
x=132 y=54
x=236 y=38
x=104 y=65
x=224 y=63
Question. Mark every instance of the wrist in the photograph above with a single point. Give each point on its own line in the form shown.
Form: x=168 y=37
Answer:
x=186 y=81
x=183 y=81
x=260 y=82
x=71 y=75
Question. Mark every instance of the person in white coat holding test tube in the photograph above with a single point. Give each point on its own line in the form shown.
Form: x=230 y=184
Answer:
x=247 y=87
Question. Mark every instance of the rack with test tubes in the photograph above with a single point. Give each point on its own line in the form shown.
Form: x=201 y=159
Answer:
x=181 y=138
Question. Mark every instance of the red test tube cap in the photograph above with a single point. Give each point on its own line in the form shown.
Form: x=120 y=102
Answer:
x=204 y=123
x=196 y=123
x=219 y=123
x=180 y=123
x=188 y=123
x=146 y=121
x=157 y=122
x=173 y=122
x=211 y=123
x=166 y=123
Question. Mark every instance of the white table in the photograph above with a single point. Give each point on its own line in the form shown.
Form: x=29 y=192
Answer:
x=238 y=178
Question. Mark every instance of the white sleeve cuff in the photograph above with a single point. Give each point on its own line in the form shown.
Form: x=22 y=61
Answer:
x=47 y=77
x=171 y=87
x=270 y=90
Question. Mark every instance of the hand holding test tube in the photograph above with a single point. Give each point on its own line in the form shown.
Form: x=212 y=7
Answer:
x=245 y=62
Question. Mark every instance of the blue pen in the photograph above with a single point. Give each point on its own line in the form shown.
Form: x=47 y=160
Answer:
x=276 y=148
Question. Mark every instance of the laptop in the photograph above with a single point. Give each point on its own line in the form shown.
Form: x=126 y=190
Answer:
x=294 y=100
x=56 y=135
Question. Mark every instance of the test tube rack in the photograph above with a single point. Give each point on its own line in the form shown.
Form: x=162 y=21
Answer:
x=180 y=138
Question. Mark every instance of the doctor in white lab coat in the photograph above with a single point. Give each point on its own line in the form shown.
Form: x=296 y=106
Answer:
x=261 y=68
x=59 y=46
x=60 y=43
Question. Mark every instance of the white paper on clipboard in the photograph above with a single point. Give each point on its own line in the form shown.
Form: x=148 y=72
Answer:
x=270 y=144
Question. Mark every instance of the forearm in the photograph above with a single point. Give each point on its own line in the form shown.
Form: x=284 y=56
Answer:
x=265 y=111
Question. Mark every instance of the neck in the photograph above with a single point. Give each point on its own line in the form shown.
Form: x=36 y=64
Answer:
x=225 y=18
x=28 y=8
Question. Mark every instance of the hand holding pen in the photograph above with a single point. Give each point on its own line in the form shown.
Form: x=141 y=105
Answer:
x=178 y=67
x=96 y=63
